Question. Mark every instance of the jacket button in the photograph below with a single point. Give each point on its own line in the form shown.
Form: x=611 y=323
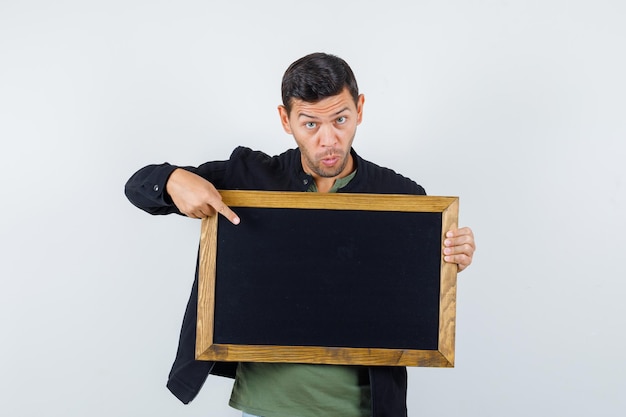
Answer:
x=305 y=181
x=155 y=188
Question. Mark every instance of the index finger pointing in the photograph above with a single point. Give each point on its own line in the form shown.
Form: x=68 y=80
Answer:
x=229 y=214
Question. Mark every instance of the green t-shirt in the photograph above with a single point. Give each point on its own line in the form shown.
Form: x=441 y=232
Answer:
x=302 y=390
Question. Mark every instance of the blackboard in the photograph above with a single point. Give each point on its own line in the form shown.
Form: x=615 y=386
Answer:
x=328 y=278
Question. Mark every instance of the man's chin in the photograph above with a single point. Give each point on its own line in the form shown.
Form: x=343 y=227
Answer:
x=326 y=173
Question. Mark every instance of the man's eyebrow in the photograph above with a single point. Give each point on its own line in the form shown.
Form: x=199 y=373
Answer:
x=313 y=117
x=306 y=115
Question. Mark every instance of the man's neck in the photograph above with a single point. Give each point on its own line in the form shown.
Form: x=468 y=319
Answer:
x=324 y=185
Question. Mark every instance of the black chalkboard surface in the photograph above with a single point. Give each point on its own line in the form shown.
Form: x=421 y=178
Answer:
x=307 y=281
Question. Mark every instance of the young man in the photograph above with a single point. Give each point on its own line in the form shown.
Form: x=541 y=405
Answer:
x=321 y=108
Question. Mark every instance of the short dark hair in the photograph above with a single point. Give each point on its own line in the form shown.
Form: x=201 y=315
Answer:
x=317 y=76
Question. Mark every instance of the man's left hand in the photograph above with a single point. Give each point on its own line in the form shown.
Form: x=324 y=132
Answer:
x=459 y=247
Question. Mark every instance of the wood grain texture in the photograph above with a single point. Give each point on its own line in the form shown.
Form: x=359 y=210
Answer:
x=206 y=284
x=336 y=201
x=447 y=300
x=325 y=355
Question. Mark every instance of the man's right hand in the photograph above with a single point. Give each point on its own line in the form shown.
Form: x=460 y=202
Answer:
x=196 y=197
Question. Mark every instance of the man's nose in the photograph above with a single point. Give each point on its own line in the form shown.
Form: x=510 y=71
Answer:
x=328 y=136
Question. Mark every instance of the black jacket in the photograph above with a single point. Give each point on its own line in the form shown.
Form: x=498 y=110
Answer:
x=252 y=170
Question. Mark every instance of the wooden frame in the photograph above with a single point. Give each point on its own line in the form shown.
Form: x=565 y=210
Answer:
x=441 y=355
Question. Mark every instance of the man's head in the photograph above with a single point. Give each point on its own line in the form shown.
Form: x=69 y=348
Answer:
x=315 y=77
x=322 y=108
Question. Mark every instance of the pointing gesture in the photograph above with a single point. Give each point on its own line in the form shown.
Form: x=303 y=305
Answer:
x=196 y=197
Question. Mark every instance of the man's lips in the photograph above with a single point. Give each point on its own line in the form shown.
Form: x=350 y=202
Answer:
x=330 y=161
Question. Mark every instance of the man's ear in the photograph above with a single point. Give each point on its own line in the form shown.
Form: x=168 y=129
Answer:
x=359 y=109
x=284 y=119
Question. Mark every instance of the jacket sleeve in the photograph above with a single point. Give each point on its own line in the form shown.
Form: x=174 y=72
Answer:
x=146 y=189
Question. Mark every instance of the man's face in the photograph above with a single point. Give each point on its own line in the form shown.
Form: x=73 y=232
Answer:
x=324 y=132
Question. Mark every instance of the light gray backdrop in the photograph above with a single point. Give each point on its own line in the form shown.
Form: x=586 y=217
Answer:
x=518 y=107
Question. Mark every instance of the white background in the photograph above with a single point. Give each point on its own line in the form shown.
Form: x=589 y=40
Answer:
x=518 y=107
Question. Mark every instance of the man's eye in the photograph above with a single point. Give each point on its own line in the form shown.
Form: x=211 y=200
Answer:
x=310 y=125
x=341 y=120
